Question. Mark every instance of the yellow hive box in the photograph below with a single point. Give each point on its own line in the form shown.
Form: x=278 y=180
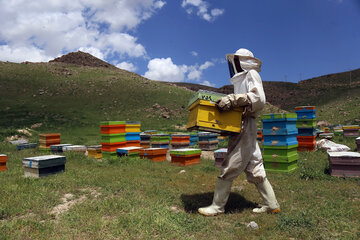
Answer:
x=204 y=115
x=132 y=128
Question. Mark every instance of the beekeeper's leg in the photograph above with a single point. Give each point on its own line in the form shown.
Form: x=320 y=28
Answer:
x=221 y=195
x=232 y=167
x=255 y=173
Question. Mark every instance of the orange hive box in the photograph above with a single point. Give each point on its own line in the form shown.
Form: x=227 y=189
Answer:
x=49 y=136
x=307 y=146
x=112 y=129
x=111 y=147
x=3 y=160
x=185 y=157
x=135 y=143
x=154 y=154
x=306 y=139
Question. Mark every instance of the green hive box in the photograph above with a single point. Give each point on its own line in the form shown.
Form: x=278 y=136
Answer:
x=280 y=167
x=185 y=151
x=281 y=159
x=282 y=151
x=112 y=122
x=279 y=116
x=205 y=95
x=306 y=123
x=113 y=138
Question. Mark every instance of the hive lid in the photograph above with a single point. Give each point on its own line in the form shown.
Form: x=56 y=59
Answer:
x=344 y=154
x=112 y=122
x=128 y=148
x=221 y=150
x=61 y=145
x=185 y=151
x=132 y=122
x=205 y=95
x=44 y=158
x=3 y=155
x=279 y=116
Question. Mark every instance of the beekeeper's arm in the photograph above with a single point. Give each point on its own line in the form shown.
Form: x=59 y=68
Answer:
x=255 y=98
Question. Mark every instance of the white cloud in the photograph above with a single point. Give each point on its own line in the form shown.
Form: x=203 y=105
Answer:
x=207 y=83
x=195 y=54
x=126 y=66
x=93 y=51
x=202 y=9
x=163 y=69
x=51 y=28
x=21 y=54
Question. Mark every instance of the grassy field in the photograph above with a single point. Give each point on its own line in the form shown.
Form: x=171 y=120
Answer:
x=139 y=199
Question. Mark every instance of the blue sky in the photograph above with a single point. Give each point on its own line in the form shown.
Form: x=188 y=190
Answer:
x=186 y=40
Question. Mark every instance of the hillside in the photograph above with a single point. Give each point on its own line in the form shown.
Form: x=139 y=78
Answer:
x=329 y=93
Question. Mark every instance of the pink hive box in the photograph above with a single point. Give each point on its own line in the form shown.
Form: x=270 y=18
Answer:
x=344 y=164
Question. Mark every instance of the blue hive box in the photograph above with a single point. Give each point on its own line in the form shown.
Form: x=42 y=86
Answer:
x=132 y=136
x=206 y=136
x=279 y=128
x=306 y=114
x=307 y=131
x=280 y=140
x=26 y=146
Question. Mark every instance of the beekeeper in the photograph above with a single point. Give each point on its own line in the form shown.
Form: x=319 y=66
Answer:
x=243 y=150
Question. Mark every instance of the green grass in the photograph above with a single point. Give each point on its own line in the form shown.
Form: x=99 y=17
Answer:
x=140 y=199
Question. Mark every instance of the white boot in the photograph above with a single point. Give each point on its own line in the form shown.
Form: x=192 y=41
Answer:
x=267 y=194
x=221 y=195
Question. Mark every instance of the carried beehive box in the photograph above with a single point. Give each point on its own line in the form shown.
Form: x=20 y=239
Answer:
x=204 y=115
x=132 y=126
x=112 y=127
x=42 y=166
x=344 y=164
x=74 y=148
x=154 y=154
x=58 y=148
x=185 y=157
x=94 y=151
x=306 y=112
x=351 y=130
x=205 y=95
x=128 y=151
x=3 y=161
x=219 y=156
x=26 y=146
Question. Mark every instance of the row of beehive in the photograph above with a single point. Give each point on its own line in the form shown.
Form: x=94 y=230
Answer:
x=306 y=124
x=280 y=142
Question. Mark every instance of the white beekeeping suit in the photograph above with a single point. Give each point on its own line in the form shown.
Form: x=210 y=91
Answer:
x=244 y=154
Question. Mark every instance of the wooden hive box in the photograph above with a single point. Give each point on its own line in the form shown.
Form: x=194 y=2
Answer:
x=204 y=115
x=42 y=166
x=26 y=146
x=135 y=143
x=306 y=123
x=132 y=126
x=219 y=156
x=185 y=157
x=132 y=136
x=280 y=140
x=58 y=148
x=279 y=124
x=113 y=138
x=94 y=151
x=49 y=136
x=280 y=151
x=344 y=164
x=351 y=130
x=128 y=151
x=3 y=161
x=307 y=132
x=180 y=138
x=160 y=145
x=112 y=127
x=111 y=147
x=306 y=112
x=307 y=146
x=281 y=167
x=154 y=154
x=74 y=148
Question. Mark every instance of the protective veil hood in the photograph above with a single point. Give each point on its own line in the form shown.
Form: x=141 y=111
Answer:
x=242 y=60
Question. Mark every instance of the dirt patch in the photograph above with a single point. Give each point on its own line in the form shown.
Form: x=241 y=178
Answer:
x=83 y=59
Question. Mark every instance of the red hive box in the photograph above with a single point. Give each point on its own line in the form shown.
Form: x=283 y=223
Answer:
x=3 y=160
x=185 y=160
x=112 y=129
x=154 y=154
x=135 y=143
x=307 y=146
x=111 y=147
x=48 y=139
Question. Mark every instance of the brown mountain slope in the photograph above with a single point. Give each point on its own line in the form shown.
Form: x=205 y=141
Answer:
x=82 y=59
